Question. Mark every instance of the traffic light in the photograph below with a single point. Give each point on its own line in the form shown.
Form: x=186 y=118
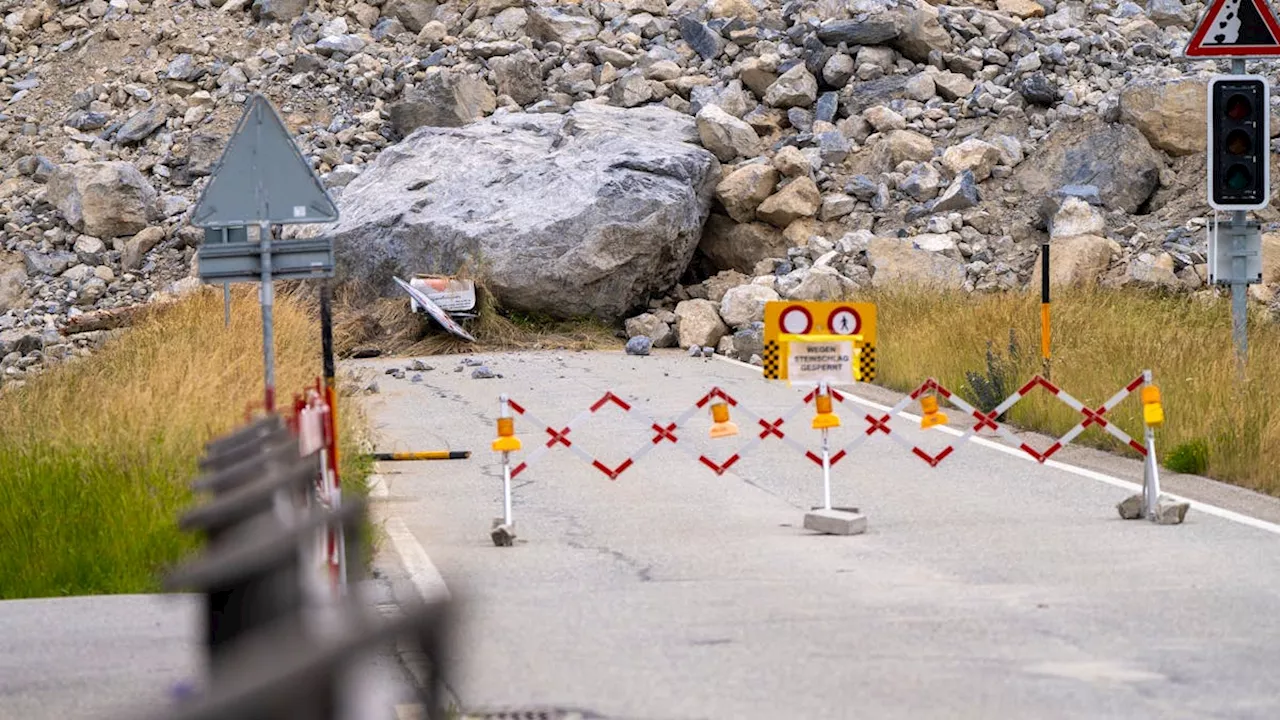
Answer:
x=1239 y=142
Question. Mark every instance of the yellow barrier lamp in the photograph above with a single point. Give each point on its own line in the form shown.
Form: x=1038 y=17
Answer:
x=932 y=417
x=825 y=419
x=1152 y=410
x=721 y=426
x=507 y=440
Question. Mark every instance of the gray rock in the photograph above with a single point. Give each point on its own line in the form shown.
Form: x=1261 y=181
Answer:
x=744 y=304
x=739 y=246
x=518 y=76
x=136 y=249
x=896 y=262
x=639 y=345
x=1116 y=159
x=586 y=213
x=345 y=44
x=838 y=70
x=922 y=183
x=631 y=90
x=279 y=10
x=704 y=41
x=482 y=373
x=142 y=124
x=444 y=99
x=550 y=24
x=749 y=342
x=875 y=31
x=1037 y=89
x=37 y=167
x=828 y=104
x=48 y=264
x=412 y=14
x=962 y=194
x=794 y=88
x=1168 y=13
x=698 y=323
x=19 y=340
x=725 y=135
x=185 y=68
x=103 y=199
x=84 y=120
x=653 y=327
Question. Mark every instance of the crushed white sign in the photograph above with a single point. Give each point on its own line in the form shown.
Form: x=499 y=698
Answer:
x=812 y=362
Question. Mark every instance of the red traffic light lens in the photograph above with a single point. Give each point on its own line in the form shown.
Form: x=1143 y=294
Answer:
x=1239 y=107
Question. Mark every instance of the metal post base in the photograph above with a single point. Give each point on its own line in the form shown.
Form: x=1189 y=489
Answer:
x=503 y=535
x=1167 y=512
x=836 y=522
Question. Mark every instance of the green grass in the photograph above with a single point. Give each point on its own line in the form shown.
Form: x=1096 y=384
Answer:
x=96 y=454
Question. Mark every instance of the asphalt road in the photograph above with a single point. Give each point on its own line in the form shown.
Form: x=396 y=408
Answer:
x=113 y=657
x=989 y=587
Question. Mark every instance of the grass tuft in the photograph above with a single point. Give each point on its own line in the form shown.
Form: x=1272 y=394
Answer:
x=96 y=454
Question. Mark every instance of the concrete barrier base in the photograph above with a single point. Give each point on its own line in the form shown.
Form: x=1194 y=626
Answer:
x=836 y=522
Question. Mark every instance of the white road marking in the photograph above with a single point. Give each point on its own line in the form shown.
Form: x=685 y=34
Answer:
x=1203 y=507
x=422 y=572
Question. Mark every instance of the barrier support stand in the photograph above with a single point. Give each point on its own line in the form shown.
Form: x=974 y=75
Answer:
x=503 y=533
x=1150 y=504
x=826 y=519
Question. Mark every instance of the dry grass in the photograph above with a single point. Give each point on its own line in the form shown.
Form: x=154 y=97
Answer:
x=95 y=455
x=389 y=325
x=1101 y=341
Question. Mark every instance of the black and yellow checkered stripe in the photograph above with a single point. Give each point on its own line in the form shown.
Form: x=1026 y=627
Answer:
x=772 y=361
x=867 y=363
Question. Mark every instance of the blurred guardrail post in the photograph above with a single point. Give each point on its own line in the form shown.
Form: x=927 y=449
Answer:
x=275 y=649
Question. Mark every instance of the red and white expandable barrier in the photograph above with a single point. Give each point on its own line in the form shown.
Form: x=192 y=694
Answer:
x=313 y=423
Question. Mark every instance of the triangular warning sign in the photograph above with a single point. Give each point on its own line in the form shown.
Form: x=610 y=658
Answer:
x=1236 y=28
x=262 y=178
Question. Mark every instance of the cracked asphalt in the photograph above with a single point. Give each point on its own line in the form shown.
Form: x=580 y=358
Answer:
x=987 y=587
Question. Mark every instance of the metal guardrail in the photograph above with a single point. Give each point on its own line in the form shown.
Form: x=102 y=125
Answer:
x=281 y=641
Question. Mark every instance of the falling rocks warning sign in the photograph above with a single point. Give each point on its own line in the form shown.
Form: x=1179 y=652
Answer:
x=818 y=361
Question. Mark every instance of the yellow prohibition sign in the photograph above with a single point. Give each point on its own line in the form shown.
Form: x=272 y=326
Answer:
x=824 y=330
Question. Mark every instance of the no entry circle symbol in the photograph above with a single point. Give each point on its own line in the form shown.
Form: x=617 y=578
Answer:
x=796 y=320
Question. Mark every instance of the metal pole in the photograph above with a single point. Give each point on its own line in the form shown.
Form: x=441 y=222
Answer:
x=1151 y=468
x=267 y=296
x=226 y=304
x=826 y=472
x=506 y=489
x=1044 y=306
x=1239 y=289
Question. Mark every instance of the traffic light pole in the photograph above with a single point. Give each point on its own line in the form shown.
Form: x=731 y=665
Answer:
x=1239 y=288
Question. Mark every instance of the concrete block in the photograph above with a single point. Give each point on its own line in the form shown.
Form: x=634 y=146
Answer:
x=503 y=535
x=835 y=522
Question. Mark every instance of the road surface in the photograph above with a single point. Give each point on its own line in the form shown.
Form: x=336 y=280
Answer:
x=121 y=656
x=989 y=587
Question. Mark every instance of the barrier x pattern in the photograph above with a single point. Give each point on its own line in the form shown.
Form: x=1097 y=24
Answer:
x=763 y=429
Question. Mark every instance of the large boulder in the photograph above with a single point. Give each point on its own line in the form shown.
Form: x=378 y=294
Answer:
x=1169 y=113
x=725 y=135
x=744 y=304
x=1114 y=158
x=919 y=30
x=898 y=262
x=102 y=199
x=739 y=246
x=444 y=99
x=799 y=199
x=585 y=213
x=13 y=276
x=698 y=324
x=742 y=190
x=1076 y=261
